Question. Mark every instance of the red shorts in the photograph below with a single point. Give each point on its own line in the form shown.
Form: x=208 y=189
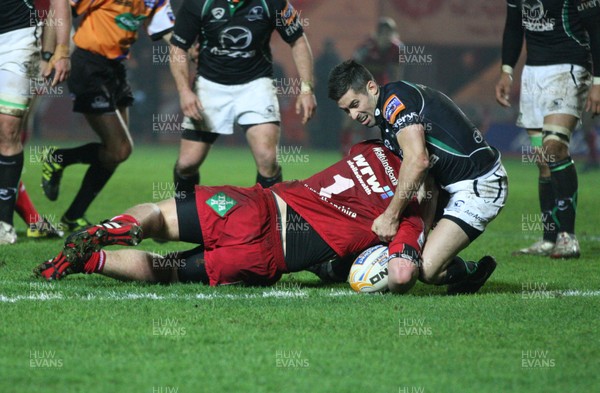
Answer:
x=241 y=241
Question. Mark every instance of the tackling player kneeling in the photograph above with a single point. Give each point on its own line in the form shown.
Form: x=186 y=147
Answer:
x=254 y=235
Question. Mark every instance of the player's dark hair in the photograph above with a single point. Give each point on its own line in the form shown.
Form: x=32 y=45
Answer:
x=345 y=76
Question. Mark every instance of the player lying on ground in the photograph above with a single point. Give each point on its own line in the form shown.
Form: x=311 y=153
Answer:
x=326 y=216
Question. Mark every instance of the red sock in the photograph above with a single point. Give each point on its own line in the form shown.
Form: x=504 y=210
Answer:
x=25 y=207
x=126 y=218
x=96 y=263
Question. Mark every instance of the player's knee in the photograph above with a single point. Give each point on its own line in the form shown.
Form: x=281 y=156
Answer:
x=10 y=134
x=555 y=150
x=124 y=152
x=188 y=164
x=555 y=140
x=429 y=276
x=186 y=168
x=543 y=168
x=113 y=157
x=266 y=157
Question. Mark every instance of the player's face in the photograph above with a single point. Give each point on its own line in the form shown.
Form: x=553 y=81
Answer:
x=360 y=106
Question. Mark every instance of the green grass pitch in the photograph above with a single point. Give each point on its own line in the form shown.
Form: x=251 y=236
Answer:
x=533 y=328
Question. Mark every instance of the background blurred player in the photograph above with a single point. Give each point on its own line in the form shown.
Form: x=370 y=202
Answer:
x=432 y=136
x=380 y=54
x=234 y=82
x=99 y=86
x=562 y=37
x=19 y=67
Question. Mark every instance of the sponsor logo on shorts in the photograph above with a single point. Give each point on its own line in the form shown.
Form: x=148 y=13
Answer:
x=221 y=203
x=7 y=193
x=100 y=102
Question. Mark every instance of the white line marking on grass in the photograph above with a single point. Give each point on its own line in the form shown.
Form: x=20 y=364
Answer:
x=341 y=292
x=43 y=296
x=285 y=294
x=37 y=296
x=576 y=292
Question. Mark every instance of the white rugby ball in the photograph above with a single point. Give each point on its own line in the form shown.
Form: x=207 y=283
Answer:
x=369 y=273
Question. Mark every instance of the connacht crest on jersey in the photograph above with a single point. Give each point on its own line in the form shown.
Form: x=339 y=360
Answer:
x=218 y=12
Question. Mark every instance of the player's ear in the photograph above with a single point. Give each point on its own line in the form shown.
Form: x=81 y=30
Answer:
x=372 y=87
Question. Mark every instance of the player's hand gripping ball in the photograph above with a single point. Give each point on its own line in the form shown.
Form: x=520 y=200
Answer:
x=369 y=273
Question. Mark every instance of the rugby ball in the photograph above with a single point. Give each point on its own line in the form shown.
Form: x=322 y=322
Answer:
x=369 y=272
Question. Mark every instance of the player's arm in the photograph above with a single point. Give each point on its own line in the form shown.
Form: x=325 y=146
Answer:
x=590 y=17
x=189 y=101
x=303 y=58
x=286 y=21
x=405 y=251
x=57 y=38
x=512 y=42
x=186 y=31
x=412 y=173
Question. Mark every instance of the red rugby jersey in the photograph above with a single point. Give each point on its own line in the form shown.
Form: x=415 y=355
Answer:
x=342 y=201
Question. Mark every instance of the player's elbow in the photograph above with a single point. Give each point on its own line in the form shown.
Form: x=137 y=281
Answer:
x=402 y=275
x=418 y=163
x=421 y=162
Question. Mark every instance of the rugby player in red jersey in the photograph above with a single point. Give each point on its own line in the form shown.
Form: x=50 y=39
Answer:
x=254 y=235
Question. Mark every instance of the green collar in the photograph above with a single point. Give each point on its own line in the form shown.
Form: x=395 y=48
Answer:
x=233 y=7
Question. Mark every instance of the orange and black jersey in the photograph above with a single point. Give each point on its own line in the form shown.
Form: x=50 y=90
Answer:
x=555 y=31
x=16 y=14
x=109 y=27
x=234 y=36
x=457 y=149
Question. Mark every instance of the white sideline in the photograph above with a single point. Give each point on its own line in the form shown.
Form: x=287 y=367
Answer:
x=289 y=294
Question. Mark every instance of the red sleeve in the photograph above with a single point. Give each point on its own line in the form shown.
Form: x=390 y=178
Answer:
x=410 y=233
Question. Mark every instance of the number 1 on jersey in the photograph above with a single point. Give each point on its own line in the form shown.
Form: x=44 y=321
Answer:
x=340 y=185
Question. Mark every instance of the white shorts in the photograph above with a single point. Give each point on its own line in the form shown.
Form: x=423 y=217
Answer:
x=553 y=89
x=19 y=68
x=477 y=202
x=254 y=102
